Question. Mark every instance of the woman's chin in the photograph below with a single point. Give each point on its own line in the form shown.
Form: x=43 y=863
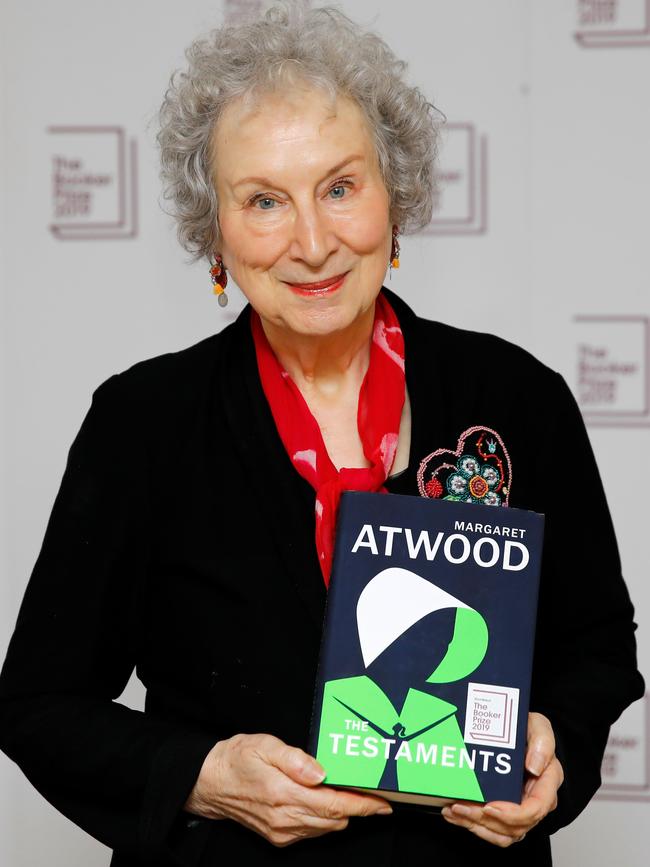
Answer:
x=318 y=322
x=355 y=316
x=325 y=314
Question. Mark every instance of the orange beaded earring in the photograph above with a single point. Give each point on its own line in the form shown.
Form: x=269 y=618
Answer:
x=219 y=280
x=394 y=253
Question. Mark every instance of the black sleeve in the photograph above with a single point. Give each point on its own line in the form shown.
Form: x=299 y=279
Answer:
x=585 y=670
x=120 y=774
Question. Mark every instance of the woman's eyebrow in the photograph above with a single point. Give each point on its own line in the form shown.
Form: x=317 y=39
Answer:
x=269 y=183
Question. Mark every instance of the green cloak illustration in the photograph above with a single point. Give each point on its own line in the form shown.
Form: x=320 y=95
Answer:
x=361 y=730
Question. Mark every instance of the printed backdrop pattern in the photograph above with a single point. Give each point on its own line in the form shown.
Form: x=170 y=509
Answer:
x=539 y=235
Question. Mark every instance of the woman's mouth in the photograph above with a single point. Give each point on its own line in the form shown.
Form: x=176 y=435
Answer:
x=322 y=287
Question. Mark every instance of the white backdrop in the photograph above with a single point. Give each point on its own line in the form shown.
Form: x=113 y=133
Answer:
x=539 y=238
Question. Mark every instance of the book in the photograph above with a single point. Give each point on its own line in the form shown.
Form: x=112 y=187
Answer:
x=423 y=682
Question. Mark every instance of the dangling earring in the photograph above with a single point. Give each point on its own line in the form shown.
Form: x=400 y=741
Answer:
x=394 y=253
x=219 y=279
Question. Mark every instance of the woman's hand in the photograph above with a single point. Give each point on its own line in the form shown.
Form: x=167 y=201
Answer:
x=503 y=822
x=274 y=789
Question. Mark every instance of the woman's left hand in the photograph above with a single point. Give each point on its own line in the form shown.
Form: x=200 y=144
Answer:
x=504 y=822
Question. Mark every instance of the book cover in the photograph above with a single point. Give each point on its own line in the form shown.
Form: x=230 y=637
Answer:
x=424 y=674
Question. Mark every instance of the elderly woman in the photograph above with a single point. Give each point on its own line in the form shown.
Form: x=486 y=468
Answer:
x=192 y=533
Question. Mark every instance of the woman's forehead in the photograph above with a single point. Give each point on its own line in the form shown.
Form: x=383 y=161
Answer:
x=276 y=127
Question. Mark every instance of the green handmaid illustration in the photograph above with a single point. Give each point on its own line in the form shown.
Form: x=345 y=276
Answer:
x=362 y=731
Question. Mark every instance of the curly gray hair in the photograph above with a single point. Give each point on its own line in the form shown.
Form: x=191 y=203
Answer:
x=324 y=48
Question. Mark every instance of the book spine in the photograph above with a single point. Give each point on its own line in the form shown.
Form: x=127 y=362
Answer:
x=330 y=606
x=534 y=603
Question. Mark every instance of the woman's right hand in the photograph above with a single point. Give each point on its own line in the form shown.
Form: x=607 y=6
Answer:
x=273 y=789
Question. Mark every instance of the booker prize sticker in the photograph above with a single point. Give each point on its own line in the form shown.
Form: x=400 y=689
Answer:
x=491 y=715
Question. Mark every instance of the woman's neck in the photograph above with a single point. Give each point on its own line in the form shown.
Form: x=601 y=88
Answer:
x=324 y=364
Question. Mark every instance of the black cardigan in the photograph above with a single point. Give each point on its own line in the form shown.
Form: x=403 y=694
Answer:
x=181 y=542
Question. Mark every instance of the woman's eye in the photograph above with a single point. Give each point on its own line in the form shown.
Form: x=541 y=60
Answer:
x=338 y=192
x=265 y=204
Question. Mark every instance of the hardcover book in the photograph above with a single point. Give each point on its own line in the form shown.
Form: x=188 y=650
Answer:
x=425 y=664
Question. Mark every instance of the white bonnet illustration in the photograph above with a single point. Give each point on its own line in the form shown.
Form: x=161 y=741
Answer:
x=395 y=599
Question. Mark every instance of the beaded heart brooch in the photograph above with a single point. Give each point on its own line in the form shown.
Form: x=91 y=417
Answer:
x=477 y=471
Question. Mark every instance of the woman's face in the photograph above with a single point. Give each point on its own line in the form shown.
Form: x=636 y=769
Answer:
x=302 y=200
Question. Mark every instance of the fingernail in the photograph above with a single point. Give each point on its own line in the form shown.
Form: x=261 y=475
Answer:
x=384 y=811
x=536 y=764
x=316 y=774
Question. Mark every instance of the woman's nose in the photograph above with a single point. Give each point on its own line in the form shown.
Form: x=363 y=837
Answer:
x=313 y=237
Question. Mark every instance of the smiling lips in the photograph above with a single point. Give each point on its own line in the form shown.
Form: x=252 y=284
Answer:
x=322 y=287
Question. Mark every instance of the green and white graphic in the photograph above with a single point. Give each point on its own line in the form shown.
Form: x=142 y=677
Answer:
x=360 y=729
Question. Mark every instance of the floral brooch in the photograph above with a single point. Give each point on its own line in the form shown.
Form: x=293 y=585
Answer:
x=477 y=471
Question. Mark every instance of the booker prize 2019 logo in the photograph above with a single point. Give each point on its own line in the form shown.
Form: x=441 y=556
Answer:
x=612 y=374
x=94 y=183
x=613 y=23
x=461 y=206
x=625 y=771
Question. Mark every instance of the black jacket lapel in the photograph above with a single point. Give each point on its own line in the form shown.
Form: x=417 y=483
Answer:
x=285 y=499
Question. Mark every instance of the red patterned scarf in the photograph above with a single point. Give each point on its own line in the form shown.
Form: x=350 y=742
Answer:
x=381 y=399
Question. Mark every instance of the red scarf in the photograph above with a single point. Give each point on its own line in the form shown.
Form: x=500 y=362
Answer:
x=381 y=398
